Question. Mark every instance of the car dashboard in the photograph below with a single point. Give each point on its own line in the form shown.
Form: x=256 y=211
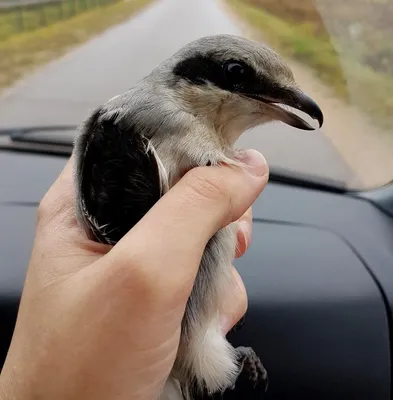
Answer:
x=318 y=273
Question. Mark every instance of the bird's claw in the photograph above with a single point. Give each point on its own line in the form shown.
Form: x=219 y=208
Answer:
x=252 y=369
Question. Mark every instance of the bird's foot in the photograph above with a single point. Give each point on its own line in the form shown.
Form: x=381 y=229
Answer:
x=251 y=369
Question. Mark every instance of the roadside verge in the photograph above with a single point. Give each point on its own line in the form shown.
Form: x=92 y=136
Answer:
x=21 y=53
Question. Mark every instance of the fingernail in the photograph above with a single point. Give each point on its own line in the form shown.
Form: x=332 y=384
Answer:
x=244 y=226
x=254 y=161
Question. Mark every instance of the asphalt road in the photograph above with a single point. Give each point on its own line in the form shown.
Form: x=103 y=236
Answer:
x=63 y=91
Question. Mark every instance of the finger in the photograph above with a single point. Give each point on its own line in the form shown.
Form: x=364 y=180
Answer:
x=179 y=226
x=235 y=303
x=244 y=230
x=60 y=198
x=58 y=227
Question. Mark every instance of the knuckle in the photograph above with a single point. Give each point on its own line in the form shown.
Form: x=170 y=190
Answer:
x=207 y=186
x=134 y=276
x=211 y=188
x=132 y=271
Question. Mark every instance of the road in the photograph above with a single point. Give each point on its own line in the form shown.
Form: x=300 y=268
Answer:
x=63 y=91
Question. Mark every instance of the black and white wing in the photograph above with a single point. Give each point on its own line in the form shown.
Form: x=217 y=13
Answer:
x=118 y=177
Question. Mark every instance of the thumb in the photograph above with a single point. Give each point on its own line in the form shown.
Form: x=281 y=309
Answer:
x=166 y=246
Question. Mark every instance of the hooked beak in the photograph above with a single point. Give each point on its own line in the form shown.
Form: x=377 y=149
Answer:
x=296 y=99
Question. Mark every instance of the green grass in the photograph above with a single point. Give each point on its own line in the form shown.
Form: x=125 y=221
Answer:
x=17 y=20
x=370 y=91
x=20 y=53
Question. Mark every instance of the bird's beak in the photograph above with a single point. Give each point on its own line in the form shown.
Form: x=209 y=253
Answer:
x=296 y=99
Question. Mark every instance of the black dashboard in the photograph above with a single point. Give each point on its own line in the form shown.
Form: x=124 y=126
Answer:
x=319 y=276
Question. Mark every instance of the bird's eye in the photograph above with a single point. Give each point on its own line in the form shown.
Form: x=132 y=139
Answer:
x=235 y=73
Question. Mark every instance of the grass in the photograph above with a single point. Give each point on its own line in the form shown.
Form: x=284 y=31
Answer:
x=21 y=19
x=20 y=53
x=370 y=91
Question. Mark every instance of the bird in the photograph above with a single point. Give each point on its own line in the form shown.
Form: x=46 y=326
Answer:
x=188 y=111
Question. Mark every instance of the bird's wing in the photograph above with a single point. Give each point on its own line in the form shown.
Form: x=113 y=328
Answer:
x=119 y=177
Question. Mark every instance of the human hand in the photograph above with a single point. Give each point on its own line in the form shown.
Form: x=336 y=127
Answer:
x=100 y=322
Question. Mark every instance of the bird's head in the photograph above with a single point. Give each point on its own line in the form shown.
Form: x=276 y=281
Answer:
x=235 y=84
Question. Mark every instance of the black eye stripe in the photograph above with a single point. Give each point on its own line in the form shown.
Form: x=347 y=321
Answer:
x=200 y=70
x=204 y=69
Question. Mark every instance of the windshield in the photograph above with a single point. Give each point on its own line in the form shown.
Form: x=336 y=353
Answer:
x=61 y=58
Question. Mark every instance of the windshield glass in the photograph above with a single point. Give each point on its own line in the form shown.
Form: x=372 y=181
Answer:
x=61 y=58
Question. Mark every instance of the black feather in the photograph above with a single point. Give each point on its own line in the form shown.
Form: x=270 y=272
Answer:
x=120 y=178
x=203 y=69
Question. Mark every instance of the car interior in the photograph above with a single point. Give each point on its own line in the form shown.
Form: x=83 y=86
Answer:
x=319 y=269
x=317 y=273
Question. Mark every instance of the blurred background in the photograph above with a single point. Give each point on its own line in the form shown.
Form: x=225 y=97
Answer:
x=60 y=58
